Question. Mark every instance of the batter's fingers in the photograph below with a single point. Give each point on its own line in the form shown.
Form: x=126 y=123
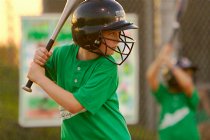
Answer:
x=40 y=59
x=50 y=53
x=41 y=54
x=44 y=50
x=39 y=62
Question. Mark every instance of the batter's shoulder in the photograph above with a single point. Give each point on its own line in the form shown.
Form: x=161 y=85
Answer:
x=106 y=66
x=65 y=48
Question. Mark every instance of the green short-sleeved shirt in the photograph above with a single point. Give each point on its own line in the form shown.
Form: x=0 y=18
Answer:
x=177 y=117
x=93 y=83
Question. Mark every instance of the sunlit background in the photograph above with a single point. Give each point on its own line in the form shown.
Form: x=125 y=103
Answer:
x=10 y=13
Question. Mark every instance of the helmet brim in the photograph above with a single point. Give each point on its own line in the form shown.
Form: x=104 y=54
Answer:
x=193 y=68
x=120 y=25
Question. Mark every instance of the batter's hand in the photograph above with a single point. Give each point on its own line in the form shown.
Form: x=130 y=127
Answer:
x=36 y=72
x=41 y=56
x=165 y=53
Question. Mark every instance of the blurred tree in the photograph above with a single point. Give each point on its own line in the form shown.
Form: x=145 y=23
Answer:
x=9 y=127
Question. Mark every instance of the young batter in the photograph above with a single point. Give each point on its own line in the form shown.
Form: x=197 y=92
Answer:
x=82 y=77
x=177 y=96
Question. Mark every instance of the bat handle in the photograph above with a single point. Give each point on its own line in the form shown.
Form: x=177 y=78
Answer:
x=173 y=35
x=28 y=85
x=50 y=44
x=175 y=31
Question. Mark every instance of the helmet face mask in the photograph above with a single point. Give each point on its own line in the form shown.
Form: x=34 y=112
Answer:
x=93 y=17
x=121 y=51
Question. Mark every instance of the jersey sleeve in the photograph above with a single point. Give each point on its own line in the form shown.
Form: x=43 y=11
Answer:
x=194 y=99
x=57 y=59
x=159 y=94
x=98 y=89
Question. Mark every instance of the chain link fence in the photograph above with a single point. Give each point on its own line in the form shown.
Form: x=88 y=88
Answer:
x=195 y=41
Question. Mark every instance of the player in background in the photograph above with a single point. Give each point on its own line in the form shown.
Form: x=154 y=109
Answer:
x=176 y=94
x=203 y=113
x=82 y=77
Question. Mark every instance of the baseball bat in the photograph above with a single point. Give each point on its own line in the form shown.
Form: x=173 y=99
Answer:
x=65 y=14
x=181 y=6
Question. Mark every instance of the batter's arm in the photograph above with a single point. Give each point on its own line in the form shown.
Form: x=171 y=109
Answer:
x=61 y=96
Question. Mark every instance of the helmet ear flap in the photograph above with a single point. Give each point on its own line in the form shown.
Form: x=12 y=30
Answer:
x=97 y=42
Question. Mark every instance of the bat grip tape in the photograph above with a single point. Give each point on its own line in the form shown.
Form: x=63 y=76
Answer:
x=50 y=44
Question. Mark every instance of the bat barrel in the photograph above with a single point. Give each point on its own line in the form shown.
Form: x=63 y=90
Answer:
x=64 y=16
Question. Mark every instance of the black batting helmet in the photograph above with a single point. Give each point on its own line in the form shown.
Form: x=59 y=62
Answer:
x=184 y=63
x=92 y=17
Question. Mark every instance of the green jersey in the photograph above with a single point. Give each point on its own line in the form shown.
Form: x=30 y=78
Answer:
x=177 y=117
x=93 y=83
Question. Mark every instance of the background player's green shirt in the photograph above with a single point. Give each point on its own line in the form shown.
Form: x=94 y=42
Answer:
x=177 y=118
x=93 y=83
